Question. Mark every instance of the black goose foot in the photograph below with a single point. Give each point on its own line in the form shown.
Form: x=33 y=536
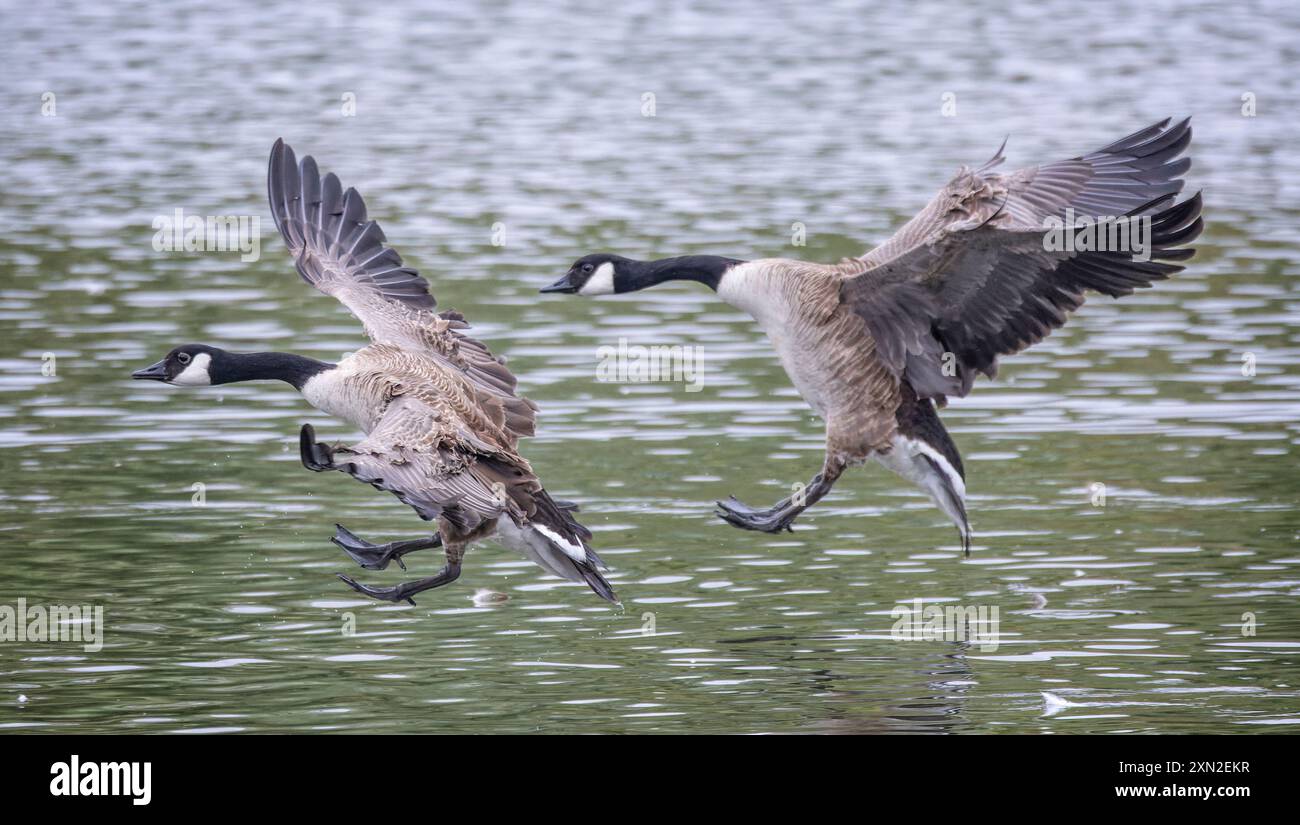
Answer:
x=386 y=594
x=404 y=591
x=771 y=520
x=377 y=556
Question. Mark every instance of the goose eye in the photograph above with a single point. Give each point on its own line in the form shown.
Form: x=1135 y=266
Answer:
x=183 y=357
x=586 y=267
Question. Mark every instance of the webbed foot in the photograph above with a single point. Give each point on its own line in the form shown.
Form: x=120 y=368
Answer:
x=377 y=556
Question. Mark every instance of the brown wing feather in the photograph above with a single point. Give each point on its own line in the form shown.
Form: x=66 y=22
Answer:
x=432 y=462
x=969 y=279
x=342 y=253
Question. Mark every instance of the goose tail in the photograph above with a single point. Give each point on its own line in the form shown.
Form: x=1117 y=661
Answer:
x=559 y=543
x=925 y=454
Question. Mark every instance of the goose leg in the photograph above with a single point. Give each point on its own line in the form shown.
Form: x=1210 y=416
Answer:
x=404 y=591
x=781 y=515
x=377 y=556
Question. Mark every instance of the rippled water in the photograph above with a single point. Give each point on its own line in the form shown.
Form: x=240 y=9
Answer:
x=227 y=617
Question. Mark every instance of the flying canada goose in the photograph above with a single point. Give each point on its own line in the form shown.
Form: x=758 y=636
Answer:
x=986 y=269
x=440 y=413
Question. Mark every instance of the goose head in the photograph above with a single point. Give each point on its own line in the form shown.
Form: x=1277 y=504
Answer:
x=606 y=274
x=199 y=365
x=190 y=365
x=599 y=274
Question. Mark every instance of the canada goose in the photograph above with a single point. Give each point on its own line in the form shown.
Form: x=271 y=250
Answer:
x=440 y=413
x=874 y=343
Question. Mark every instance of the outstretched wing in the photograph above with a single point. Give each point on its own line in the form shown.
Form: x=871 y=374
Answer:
x=342 y=253
x=975 y=276
x=336 y=249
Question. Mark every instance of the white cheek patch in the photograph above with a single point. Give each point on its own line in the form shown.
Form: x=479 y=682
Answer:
x=196 y=374
x=601 y=281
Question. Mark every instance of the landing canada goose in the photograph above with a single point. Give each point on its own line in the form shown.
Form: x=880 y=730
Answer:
x=874 y=343
x=440 y=413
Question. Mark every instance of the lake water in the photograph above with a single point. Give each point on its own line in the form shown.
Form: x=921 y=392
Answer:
x=496 y=145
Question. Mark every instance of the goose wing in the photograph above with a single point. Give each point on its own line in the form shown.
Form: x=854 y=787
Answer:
x=974 y=275
x=340 y=252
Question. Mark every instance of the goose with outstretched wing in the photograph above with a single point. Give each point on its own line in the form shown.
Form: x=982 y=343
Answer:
x=440 y=412
x=990 y=266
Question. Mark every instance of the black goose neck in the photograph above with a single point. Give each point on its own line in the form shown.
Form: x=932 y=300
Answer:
x=266 y=366
x=706 y=269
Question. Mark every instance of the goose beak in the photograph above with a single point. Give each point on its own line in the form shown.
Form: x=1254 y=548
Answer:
x=154 y=372
x=564 y=285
